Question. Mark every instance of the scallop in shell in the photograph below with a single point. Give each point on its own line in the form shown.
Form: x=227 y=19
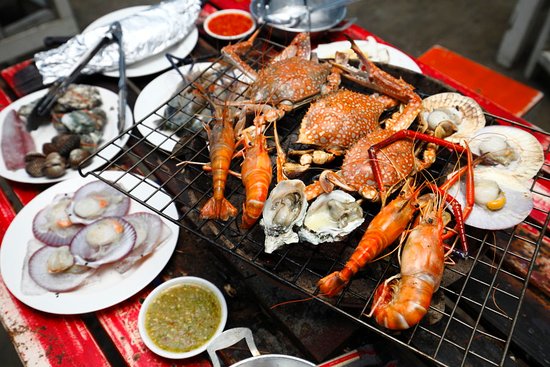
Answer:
x=501 y=200
x=452 y=116
x=52 y=225
x=508 y=148
x=103 y=241
x=284 y=211
x=53 y=269
x=95 y=200
x=331 y=217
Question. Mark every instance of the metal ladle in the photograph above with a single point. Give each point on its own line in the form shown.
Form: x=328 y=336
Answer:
x=292 y=15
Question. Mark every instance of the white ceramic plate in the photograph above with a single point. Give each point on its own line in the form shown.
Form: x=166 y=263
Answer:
x=394 y=56
x=46 y=132
x=154 y=63
x=157 y=93
x=109 y=287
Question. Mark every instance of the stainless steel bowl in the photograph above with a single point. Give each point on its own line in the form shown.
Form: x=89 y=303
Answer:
x=318 y=21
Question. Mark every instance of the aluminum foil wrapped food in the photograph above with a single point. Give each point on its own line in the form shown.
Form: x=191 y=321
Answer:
x=145 y=33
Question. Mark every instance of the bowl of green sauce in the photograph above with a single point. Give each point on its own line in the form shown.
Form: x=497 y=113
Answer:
x=180 y=317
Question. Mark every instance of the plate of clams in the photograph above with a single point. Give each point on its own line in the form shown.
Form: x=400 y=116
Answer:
x=82 y=245
x=82 y=120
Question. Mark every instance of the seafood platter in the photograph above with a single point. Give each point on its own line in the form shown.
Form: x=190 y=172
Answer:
x=377 y=191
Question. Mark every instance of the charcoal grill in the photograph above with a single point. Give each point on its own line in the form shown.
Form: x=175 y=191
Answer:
x=477 y=311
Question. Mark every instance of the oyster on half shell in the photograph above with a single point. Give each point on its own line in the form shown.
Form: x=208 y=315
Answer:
x=452 y=116
x=331 y=217
x=283 y=213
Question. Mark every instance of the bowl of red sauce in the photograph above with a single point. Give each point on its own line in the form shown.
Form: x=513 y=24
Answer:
x=229 y=24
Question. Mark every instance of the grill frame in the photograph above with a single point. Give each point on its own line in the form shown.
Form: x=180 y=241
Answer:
x=460 y=338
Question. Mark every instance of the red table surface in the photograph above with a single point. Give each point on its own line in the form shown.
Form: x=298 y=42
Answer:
x=46 y=339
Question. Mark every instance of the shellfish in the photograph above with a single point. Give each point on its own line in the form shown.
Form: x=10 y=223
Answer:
x=451 y=116
x=283 y=212
x=509 y=149
x=331 y=217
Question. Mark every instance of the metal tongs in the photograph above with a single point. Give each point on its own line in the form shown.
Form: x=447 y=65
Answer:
x=41 y=112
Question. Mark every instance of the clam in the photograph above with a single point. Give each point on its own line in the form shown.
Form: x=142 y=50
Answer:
x=77 y=156
x=52 y=224
x=283 y=213
x=331 y=217
x=452 y=116
x=509 y=149
x=34 y=164
x=54 y=165
x=501 y=200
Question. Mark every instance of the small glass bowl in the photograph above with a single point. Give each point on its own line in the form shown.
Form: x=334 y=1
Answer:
x=227 y=13
x=187 y=280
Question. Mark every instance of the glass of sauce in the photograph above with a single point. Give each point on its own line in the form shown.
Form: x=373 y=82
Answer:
x=229 y=24
x=179 y=318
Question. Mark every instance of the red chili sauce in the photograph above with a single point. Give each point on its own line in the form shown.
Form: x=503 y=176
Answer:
x=230 y=24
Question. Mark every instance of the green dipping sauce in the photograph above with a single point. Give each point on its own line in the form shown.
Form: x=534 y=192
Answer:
x=182 y=317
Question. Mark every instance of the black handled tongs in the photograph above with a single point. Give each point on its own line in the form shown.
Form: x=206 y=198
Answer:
x=40 y=113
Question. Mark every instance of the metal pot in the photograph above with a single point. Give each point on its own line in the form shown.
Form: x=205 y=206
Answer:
x=317 y=22
x=233 y=336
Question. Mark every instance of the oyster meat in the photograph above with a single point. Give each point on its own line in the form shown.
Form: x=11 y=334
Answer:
x=284 y=212
x=331 y=217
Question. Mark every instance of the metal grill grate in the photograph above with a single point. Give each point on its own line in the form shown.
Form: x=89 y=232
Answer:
x=479 y=309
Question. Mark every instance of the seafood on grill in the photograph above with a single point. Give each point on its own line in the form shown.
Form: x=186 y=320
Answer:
x=284 y=212
x=501 y=200
x=404 y=299
x=290 y=78
x=256 y=175
x=331 y=217
x=451 y=116
x=337 y=121
x=509 y=149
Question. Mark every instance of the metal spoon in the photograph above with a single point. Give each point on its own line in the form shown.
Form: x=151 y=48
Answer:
x=292 y=15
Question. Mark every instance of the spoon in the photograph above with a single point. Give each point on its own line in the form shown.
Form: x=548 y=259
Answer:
x=292 y=15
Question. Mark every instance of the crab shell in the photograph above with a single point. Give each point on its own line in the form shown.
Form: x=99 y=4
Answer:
x=331 y=217
x=458 y=115
x=284 y=211
x=518 y=200
x=512 y=150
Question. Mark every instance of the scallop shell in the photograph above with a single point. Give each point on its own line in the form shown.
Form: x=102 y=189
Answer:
x=528 y=151
x=103 y=241
x=519 y=201
x=52 y=226
x=55 y=281
x=331 y=217
x=466 y=111
x=283 y=213
x=97 y=199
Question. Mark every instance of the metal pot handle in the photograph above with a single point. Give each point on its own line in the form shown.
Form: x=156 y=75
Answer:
x=227 y=339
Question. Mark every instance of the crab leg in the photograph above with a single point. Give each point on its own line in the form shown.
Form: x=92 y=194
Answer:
x=232 y=52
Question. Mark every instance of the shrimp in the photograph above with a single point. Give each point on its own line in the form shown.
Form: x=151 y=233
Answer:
x=403 y=300
x=256 y=174
x=221 y=138
x=383 y=230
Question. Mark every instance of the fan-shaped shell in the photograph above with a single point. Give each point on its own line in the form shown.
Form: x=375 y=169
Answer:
x=103 y=241
x=464 y=112
x=518 y=201
x=52 y=225
x=331 y=217
x=519 y=152
x=284 y=211
x=61 y=281
x=96 y=200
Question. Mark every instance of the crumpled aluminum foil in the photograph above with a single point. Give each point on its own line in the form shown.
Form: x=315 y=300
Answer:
x=144 y=34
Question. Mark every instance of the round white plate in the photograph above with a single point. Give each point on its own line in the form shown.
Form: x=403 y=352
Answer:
x=109 y=287
x=395 y=57
x=158 y=93
x=45 y=134
x=155 y=63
